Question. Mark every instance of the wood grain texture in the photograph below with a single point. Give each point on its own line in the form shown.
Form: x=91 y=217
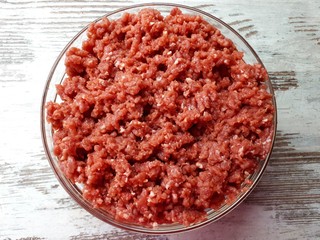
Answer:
x=284 y=205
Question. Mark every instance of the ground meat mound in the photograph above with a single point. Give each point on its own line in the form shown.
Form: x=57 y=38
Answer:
x=160 y=118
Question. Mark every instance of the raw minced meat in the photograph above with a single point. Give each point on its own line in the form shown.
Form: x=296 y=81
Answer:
x=160 y=118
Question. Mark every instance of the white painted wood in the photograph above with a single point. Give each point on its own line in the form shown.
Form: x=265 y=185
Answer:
x=285 y=204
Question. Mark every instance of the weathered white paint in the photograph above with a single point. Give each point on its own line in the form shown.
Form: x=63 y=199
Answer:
x=286 y=203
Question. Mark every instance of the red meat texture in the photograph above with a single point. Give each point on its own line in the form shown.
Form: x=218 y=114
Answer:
x=160 y=118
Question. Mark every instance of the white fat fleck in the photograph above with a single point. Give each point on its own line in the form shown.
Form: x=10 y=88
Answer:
x=158 y=79
x=78 y=169
x=241 y=151
x=265 y=120
x=190 y=107
x=154 y=224
x=169 y=53
x=65 y=139
x=199 y=165
x=226 y=61
x=266 y=141
x=121 y=66
x=177 y=61
x=63 y=157
x=151 y=23
x=174 y=196
x=165 y=32
x=101 y=81
x=117 y=63
x=152 y=194
x=90 y=61
x=121 y=129
x=188 y=80
x=168 y=185
x=217 y=152
x=246 y=76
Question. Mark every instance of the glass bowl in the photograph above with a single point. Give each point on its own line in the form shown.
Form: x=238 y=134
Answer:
x=56 y=76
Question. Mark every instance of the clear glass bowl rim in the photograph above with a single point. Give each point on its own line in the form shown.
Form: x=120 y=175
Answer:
x=73 y=191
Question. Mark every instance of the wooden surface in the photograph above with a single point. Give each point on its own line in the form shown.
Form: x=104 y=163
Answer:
x=284 y=205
